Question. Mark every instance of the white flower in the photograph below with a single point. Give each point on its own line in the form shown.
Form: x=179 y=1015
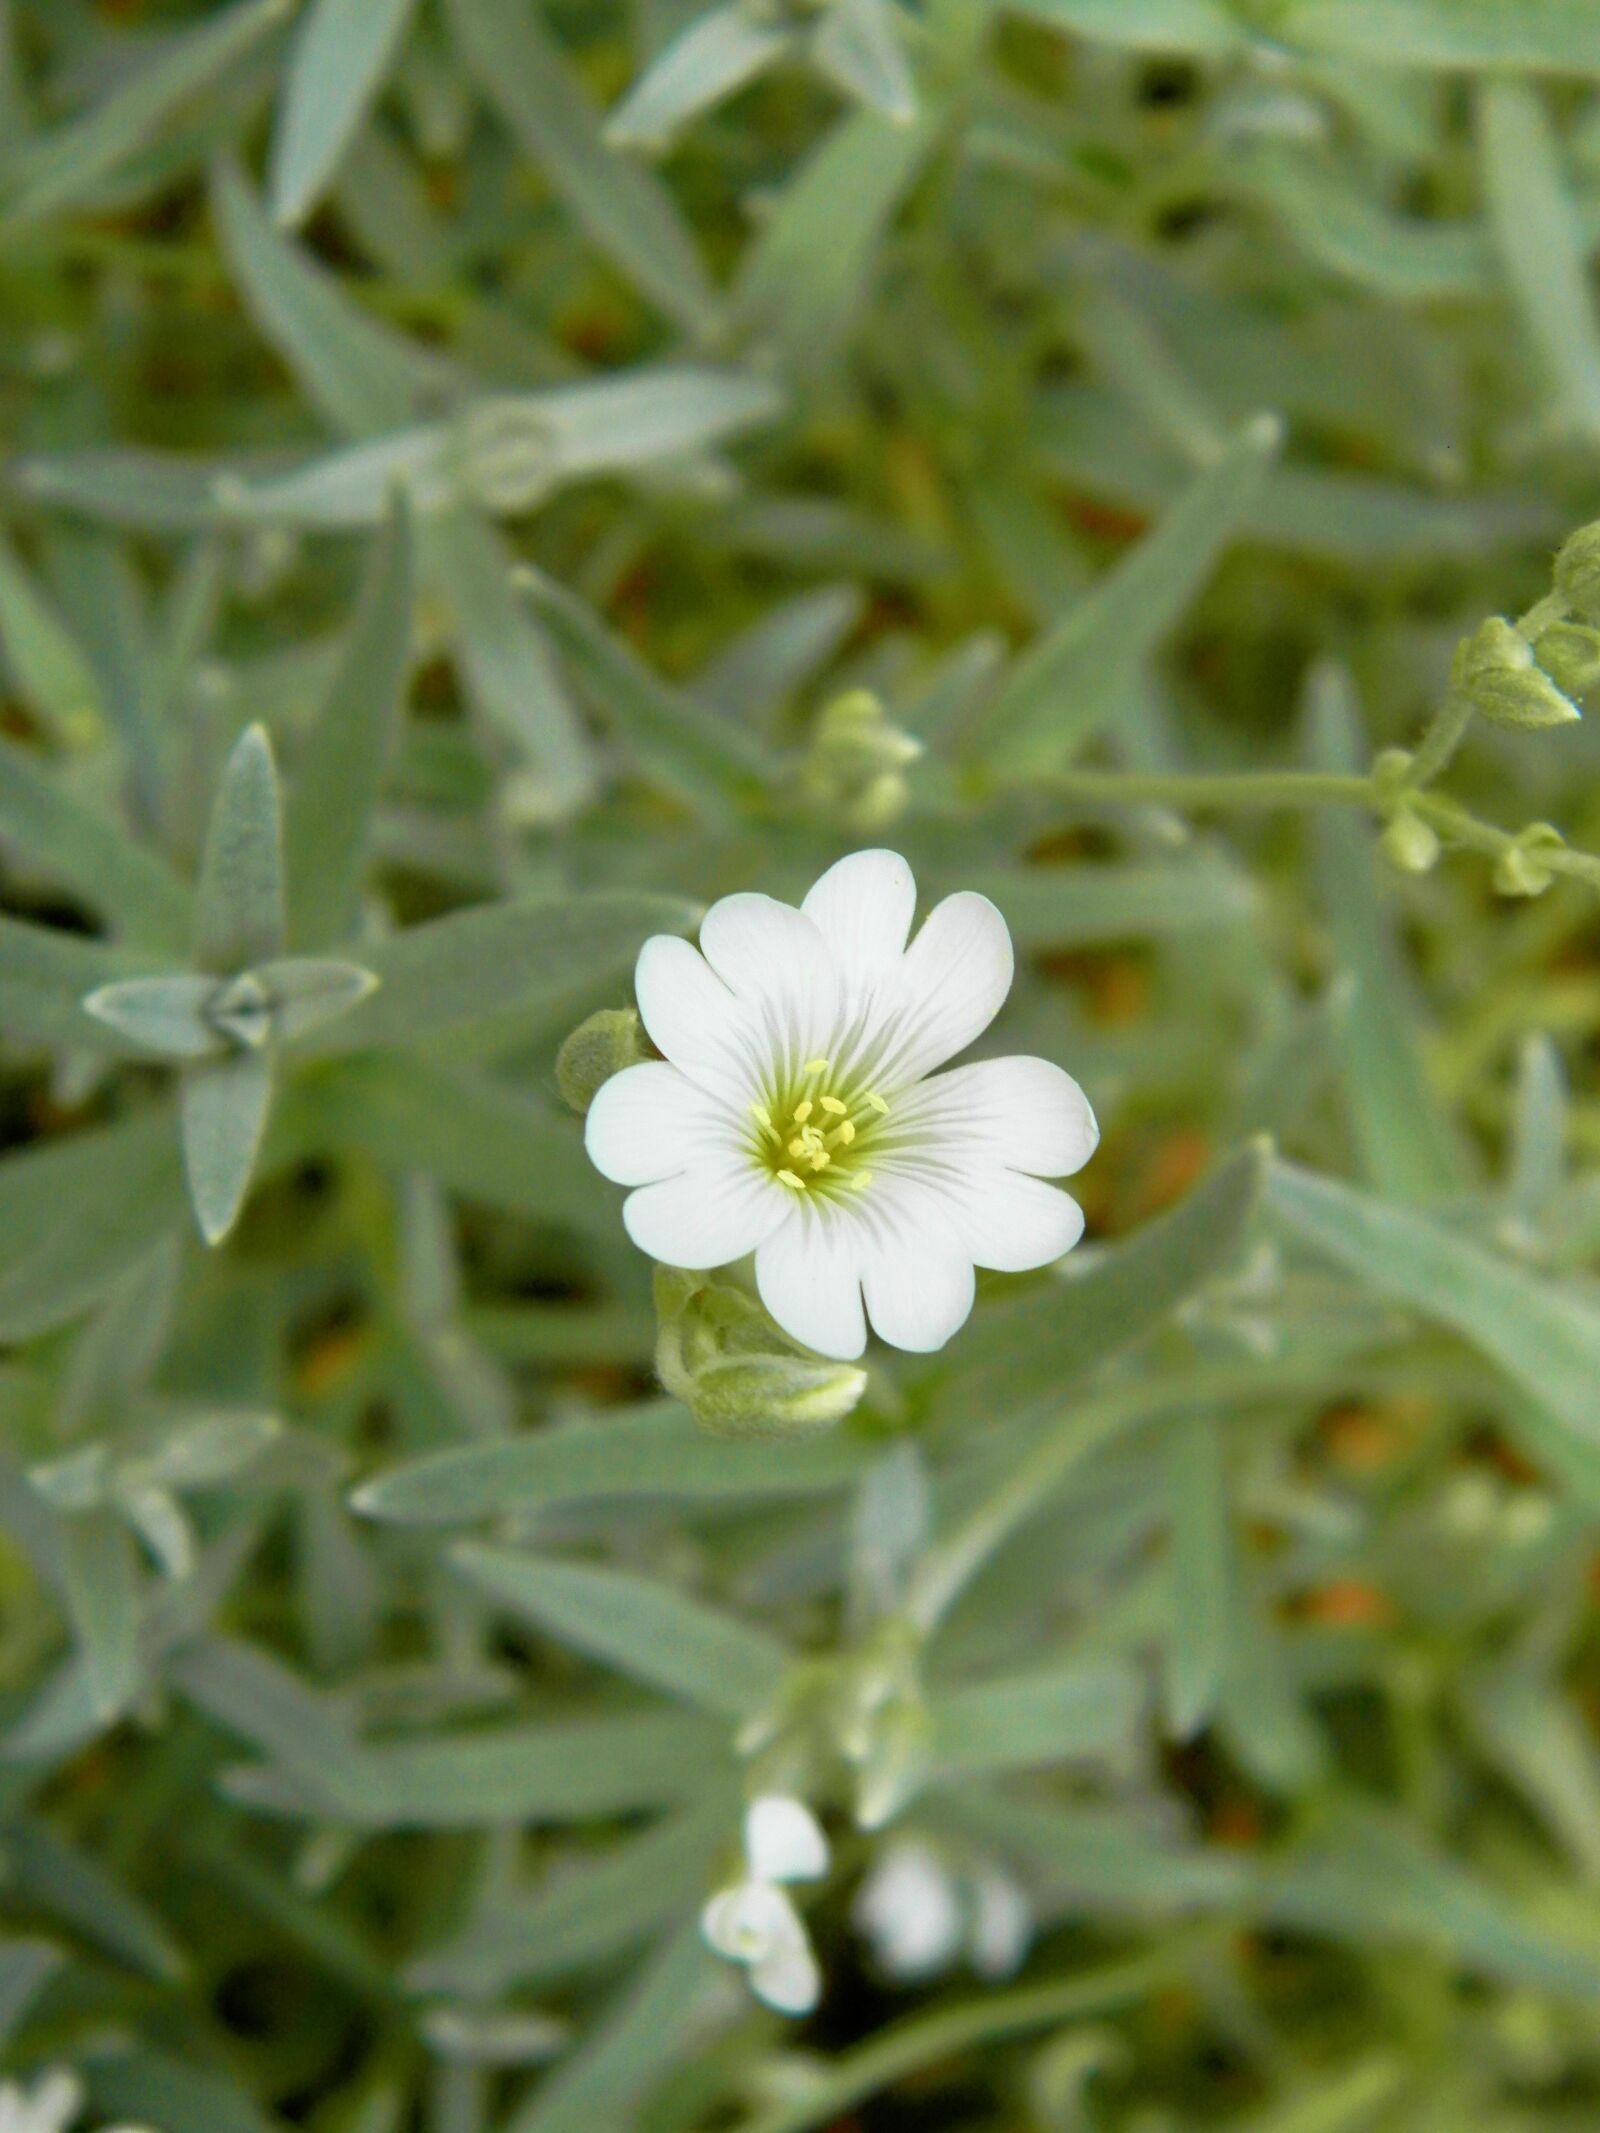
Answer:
x=919 y=1915
x=754 y=1921
x=796 y=1113
x=50 y=2106
x=909 y=1909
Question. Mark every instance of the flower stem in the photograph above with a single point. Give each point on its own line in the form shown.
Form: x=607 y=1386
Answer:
x=1441 y=740
x=924 y=2040
x=1202 y=792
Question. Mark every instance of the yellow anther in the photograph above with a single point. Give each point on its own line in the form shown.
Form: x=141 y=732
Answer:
x=820 y=1159
x=832 y=1103
x=877 y=1102
x=818 y=1066
x=799 y=1146
x=844 y=1133
x=862 y=1179
x=802 y=1111
x=787 y=1177
x=763 y=1117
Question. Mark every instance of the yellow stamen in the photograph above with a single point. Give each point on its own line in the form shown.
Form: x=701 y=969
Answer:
x=818 y=1066
x=802 y=1111
x=832 y=1103
x=877 y=1102
x=763 y=1117
x=861 y=1179
x=844 y=1133
x=820 y=1159
x=787 y=1177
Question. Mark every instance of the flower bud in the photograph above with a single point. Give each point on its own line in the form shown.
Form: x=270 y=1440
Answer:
x=1520 y=870
x=1494 y=669
x=1391 y=771
x=719 y=1352
x=605 y=1044
x=1577 y=572
x=1409 y=843
x=509 y=451
x=1569 y=652
x=774 y=1395
x=858 y=761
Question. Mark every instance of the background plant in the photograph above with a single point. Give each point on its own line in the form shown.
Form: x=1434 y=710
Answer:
x=485 y=478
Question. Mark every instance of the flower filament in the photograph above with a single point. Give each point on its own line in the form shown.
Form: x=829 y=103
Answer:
x=809 y=1136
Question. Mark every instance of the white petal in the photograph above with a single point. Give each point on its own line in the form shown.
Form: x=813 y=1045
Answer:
x=909 y=1909
x=808 y=1274
x=863 y=908
x=788 y=1978
x=650 y=1122
x=714 y=1213
x=783 y=1840
x=916 y=1275
x=1002 y=1924
x=750 y=1919
x=951 y=984
x=1023 y=1114
x=694 y=1019
x=1010 y=1222
x=776 y=964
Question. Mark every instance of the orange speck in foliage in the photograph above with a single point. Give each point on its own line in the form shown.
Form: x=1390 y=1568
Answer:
x=1102 y=521
x=1235 y=1821
x=1349 y=1603
x=331 y=1357
x=1360 y=1438
x=1173 y=1167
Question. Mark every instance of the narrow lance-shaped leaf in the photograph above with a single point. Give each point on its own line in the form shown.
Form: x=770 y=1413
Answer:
x=52 y=670
x=340 y=769
x=715 y=55
x=492 y=958
x=505 y=661
x=239 y=902
x=140 y=895
x=1202 y=1596
x=654 y=1451
x=167 y=1015
x=1543 y=252
x=1558 y=36
x=1201 y=27
x=65 y=166
x=703 y=756
x=634 y=1623
x=857 y=46
x=223 y=1108
x=528 y=79
x=342 y=51
x=804 y=275
x=1544 y=1333
x=1408 y=1147
x=1077 y=678
x=362 y=377
x=102 y=1591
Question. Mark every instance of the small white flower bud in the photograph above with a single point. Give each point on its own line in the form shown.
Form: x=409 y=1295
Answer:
x=1410 y=843
x=783 y=1840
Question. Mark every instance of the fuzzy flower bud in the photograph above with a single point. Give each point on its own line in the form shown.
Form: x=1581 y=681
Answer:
x=858 y=761
x=605 y=1044
x=1409 y=843
x=1569 y=652
x=720 y=1354
x=1521 y=870
x=1577 y=572
x=1495 y=670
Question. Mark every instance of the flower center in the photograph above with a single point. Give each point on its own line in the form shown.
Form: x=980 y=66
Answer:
x=812 y=1135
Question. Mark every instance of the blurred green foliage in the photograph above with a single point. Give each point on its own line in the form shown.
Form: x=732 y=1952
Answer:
x=483 y=478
